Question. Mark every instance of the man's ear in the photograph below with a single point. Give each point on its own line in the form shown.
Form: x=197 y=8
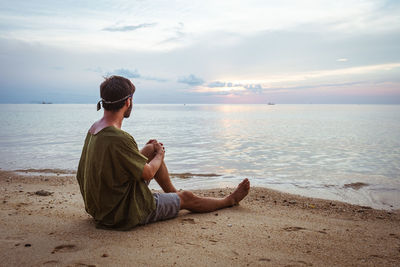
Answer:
x=128 y=103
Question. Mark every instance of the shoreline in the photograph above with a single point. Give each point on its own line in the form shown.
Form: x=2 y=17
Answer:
x=357 y=192
x=268 y=228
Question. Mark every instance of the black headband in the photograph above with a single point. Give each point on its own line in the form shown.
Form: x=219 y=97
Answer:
x=112 y=102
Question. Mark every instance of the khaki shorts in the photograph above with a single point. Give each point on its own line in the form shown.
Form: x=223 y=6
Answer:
x=167 y=207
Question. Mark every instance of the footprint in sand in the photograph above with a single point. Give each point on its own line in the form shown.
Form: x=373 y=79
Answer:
x=65 y=248
x=84 y=265
x=293 y=228
x=394 y=236
x=304 y=263
x=52 y=262
x=297 y=228
x=188 y=220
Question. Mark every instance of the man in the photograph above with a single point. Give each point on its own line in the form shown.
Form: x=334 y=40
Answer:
x=113 y=174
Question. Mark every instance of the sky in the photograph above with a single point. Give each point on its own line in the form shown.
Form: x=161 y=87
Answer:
x=255 y=52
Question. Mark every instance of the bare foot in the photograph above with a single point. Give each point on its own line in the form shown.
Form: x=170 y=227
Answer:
x=241 y=191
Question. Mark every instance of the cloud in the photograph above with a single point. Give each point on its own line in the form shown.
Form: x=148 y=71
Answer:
x=128 y=28
x=178 y=34
x=191 y=80
x=216 y=84
x=220 y=44
x=310 y=76
x=257 y=88
x=125 y=72
x=151 y=78
x=129 y=74
x=243 y=89
x=303 y=80
x=315 y=86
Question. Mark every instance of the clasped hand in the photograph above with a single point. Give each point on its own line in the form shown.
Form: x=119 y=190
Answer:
x=158 y=147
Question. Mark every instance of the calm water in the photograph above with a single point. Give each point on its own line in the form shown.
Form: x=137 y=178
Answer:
x=312 y=150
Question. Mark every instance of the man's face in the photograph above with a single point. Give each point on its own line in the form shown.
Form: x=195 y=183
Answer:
x=129 y=110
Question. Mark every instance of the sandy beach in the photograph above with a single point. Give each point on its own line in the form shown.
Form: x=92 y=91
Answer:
x=43 y=223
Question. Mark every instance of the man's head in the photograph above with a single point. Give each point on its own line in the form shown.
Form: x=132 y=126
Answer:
x=115 y=91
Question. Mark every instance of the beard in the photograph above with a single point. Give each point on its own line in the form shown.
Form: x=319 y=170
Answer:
x=127 y=113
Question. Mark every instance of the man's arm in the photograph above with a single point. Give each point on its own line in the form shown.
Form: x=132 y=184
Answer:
x=151 y=168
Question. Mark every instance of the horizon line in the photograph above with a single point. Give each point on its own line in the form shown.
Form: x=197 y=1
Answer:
x=270 y=103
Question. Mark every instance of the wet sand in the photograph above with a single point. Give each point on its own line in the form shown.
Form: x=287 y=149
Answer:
x=269 y=228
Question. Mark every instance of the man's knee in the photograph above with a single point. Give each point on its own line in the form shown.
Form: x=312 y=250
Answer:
x=148 y=151
x=186 y=198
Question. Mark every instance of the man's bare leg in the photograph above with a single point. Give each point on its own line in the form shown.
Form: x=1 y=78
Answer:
x=162 y=175
x=191 y=202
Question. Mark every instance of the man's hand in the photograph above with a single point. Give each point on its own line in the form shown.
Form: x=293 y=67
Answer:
x=151 y=141
x=159 y=148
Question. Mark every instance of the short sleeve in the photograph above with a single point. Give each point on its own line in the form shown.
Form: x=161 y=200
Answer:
x=130 y=158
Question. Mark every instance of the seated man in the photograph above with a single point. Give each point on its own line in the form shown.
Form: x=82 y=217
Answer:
x=113 y=175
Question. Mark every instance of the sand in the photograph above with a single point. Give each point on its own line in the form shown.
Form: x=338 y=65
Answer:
x=268 y=228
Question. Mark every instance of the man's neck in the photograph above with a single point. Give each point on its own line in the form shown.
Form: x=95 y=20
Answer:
x=112 y=118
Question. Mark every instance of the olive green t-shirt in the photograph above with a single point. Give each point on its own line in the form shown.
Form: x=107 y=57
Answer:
x=109 y=176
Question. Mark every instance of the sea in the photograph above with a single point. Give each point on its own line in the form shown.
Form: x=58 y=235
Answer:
x=348 y=153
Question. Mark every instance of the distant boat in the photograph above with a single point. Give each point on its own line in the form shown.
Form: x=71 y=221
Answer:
x=43 y=102
x=270 y=103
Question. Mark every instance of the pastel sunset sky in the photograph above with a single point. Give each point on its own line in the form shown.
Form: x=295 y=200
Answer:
x=202 y=51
